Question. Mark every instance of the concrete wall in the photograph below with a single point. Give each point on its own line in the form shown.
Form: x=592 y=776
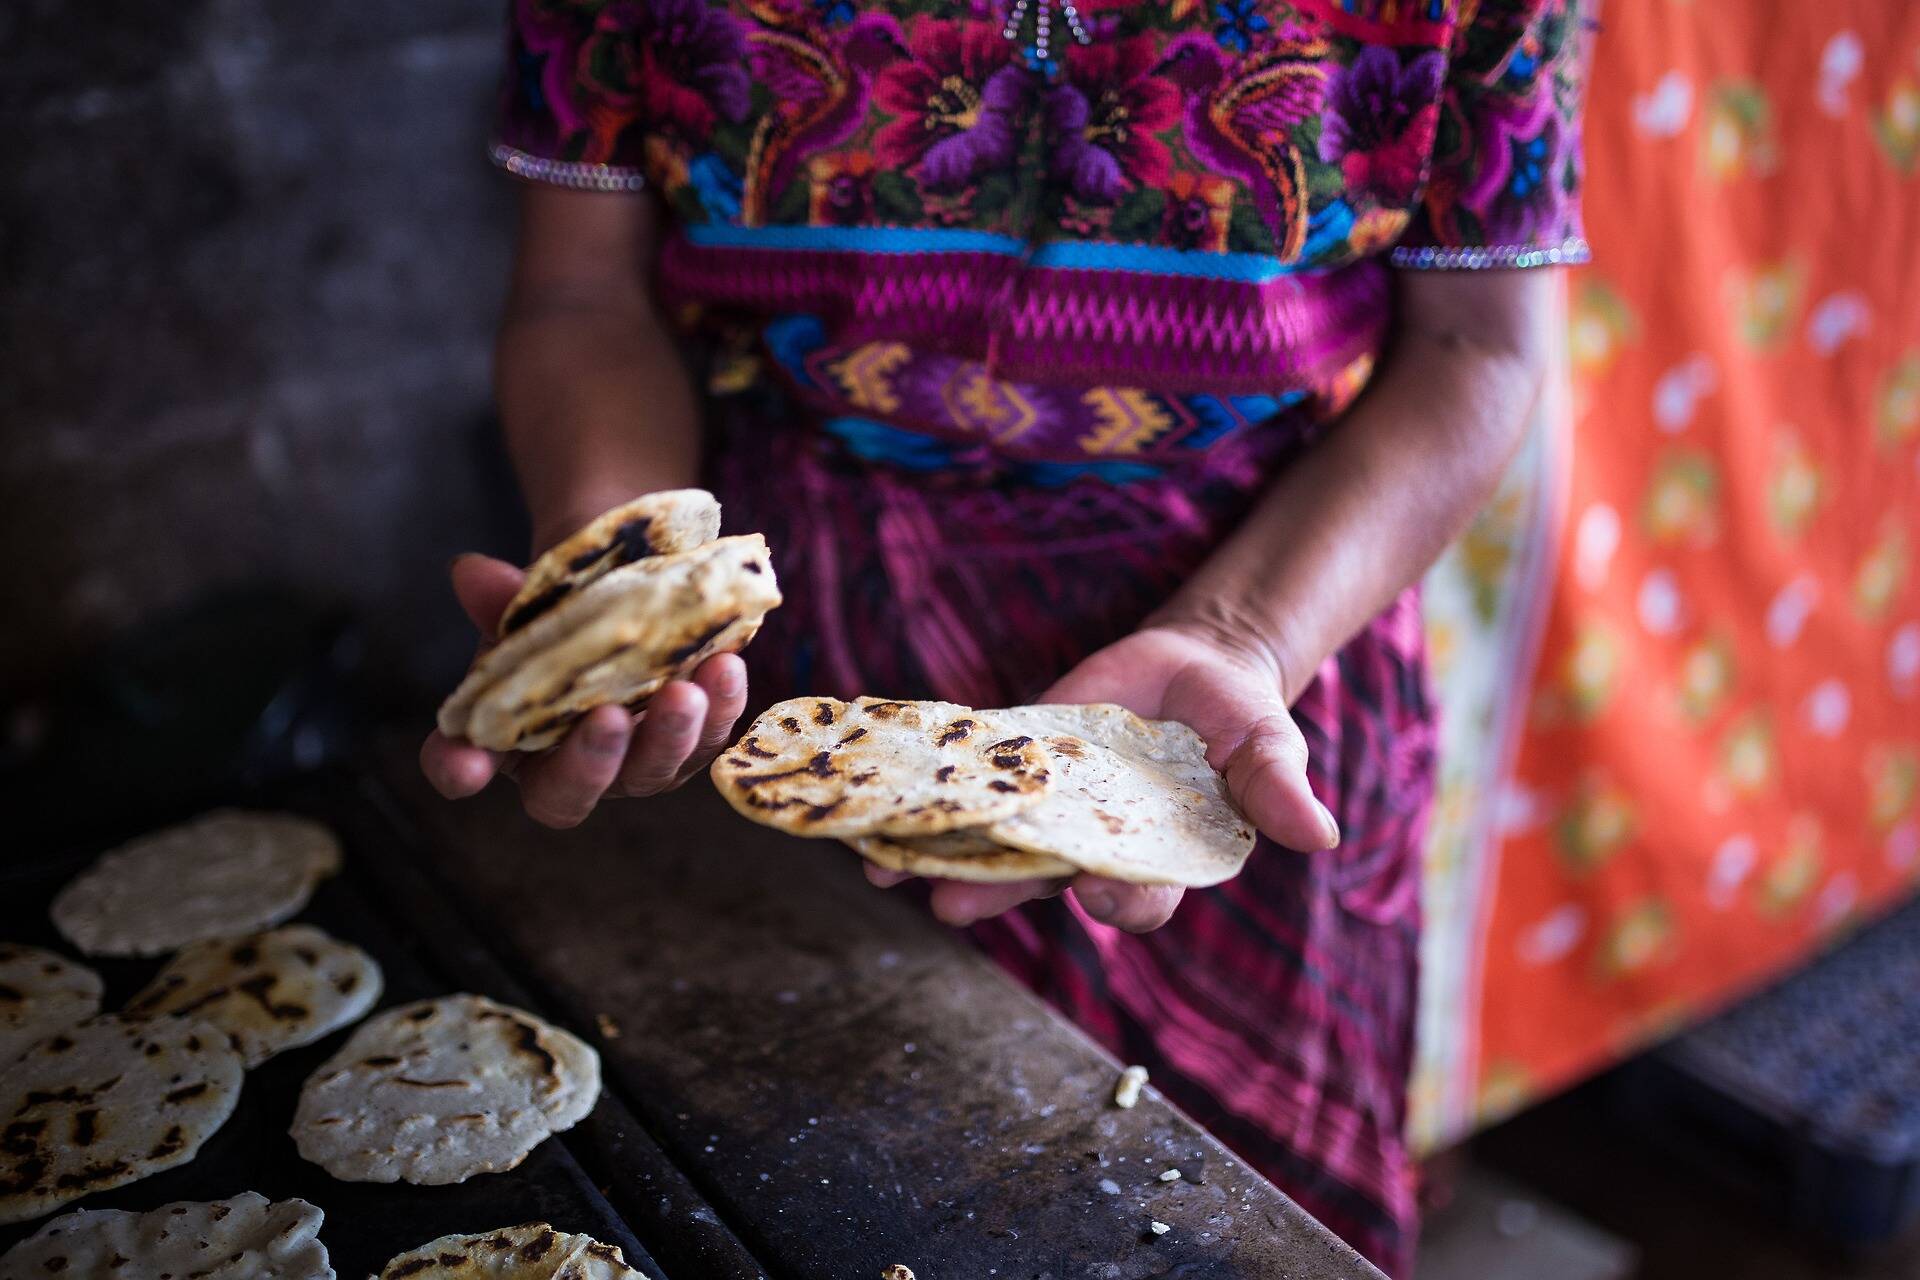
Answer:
x=250 y=259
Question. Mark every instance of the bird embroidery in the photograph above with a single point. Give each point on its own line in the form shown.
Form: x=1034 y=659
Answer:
x=820 y=99
x=1240 y=114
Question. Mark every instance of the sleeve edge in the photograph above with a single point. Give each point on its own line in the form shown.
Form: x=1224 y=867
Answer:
x=1570 y=252
x=578 y=175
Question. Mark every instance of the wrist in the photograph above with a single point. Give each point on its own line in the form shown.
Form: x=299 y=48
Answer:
x=1244 y=634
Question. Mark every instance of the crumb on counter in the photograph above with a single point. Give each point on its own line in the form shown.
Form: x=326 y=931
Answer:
x=1158 y=1227
x=609 y=1029
x=1169 y=1175
x=1127 y=1091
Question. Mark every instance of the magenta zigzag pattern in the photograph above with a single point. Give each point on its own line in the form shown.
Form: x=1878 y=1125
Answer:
x=1174 y=334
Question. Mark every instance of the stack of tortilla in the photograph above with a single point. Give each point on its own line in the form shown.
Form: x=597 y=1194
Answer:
x=642 y=595
x=941 y=790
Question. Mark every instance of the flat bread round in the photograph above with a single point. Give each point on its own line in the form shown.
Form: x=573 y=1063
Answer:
x=41 y=993
x=437 y=1091
x=654 y=524
x=822 y=767
x=959 y=855
x=269 y=991
x=246 y=1238
x=616 y=642
x=531 y=1252
x=108 y=1102
x=1133 y=799
x=224 y=873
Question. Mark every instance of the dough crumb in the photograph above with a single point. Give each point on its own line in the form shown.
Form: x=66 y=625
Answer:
x=1127 y=1091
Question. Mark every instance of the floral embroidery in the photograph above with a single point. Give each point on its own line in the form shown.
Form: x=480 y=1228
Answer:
x=1263 y=127
x=1106 y=114
x=1382 y=124
x=956 y=101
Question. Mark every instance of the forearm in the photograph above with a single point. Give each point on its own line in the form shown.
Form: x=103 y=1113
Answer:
x=596 y=405
x=1370 y=508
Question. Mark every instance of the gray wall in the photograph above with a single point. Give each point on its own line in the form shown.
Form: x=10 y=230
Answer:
x=250 y=258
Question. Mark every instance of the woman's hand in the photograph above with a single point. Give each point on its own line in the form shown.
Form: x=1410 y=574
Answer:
x=1228 y=691
x=610 y=752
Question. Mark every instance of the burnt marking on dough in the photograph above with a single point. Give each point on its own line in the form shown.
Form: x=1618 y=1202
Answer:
x=380 y=1060
x=700 y=641
x=245 y=954
x=527 y=1041
x=188 y=1092
x=11 y=994
x=260 y=988
x=884 y=710
x=307 y=954
x=816 y=812
x=171 y=1143
x=752 y=566
x=944 y=773
x=539 y=1248
x=104 y=1173
x=86 y=1126
x=420 y=1264
x=1001 y=784
x=1072 y=748
x=411 y=1083
x=346 y=982
x=955 y=732
x=542 y=603
x=753 y=748
x=421 y=1015
x=855 y=736
x=823 y=713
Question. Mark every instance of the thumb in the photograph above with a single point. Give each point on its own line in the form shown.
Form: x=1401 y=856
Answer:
x=484 y=586
x=1266 y=773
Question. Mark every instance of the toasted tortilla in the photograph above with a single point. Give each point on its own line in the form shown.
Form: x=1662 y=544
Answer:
x=967 y=855
x=268 y=991
x=107 y=1102
x=242 y=1237
x=1133 y=799
x=534 y=1251
x=822 y=767
x=224 y=873
x=663 y=523
x=440 y=1090
x=41 y=993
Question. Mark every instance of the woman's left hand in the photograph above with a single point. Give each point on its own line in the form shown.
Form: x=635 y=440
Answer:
x=1232 y=695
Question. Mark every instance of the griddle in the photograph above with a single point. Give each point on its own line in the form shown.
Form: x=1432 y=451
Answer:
x=383 y=902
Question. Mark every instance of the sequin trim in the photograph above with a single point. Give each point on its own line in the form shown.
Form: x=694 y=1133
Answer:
x=1568 y=253
x=577 y=174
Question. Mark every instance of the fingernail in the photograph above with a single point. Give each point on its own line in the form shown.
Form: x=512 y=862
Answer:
x=1095 y=902
x=1329 y=828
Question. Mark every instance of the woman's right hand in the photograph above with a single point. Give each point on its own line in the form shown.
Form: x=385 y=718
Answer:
x=610 y=752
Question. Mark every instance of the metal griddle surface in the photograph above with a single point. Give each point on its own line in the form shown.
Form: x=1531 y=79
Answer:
x=366 y=1223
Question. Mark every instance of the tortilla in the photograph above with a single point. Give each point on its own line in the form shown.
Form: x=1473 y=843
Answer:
x=1134 y=799
x=41 y=993
x=224 y=873
x=269 y=991
x=822 y=767
x=653 y=524
x=246 y=1238
x=437 y=1091
x=616 y=642
x=108 y=1102
x=531 y=1252
x=959 y=855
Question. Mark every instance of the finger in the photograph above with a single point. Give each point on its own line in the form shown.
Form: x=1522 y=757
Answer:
x=723 y=677
x=456 y=769
x=1267 y=777
x=560 y=789
x=484 y=586
x=1136 y=908
x=881 y=878
x=664 y=740
x=960 y=903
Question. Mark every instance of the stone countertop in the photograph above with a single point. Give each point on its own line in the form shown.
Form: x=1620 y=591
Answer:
x=845 y=1082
